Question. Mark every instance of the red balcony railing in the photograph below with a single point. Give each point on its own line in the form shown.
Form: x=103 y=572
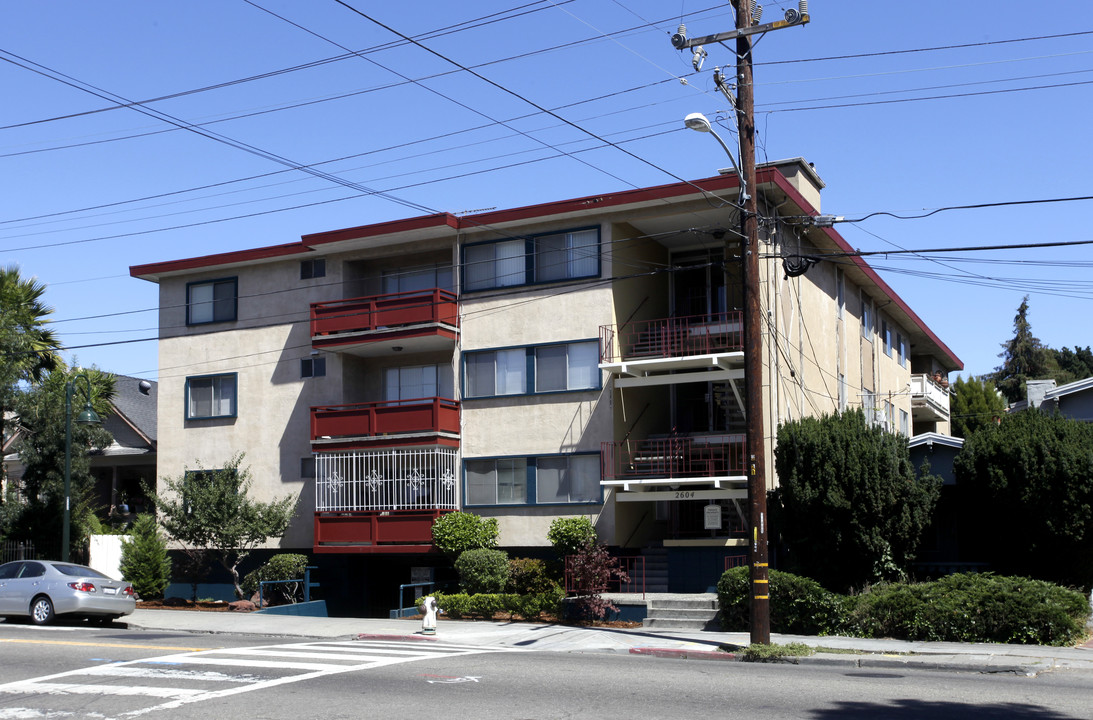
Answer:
x=674 y=457
x=378 y=312
x=672 y=337
x=374 y=419
x=372 y=532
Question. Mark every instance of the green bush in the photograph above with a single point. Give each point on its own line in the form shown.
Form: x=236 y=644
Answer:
x=456 y=532
x=973 y=607
x=144 y=560
x=533 y=606
x=455 y=605
x=798 y=605
x=287 y=566
x=569 y=534
x=528 y=576
x=486 y=605
x=483 y=571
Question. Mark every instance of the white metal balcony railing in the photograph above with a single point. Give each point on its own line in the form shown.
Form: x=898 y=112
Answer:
x=929 y=395
x=384 y=480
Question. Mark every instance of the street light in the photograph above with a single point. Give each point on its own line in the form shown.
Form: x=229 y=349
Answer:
x=697 y=121
x=87 y=416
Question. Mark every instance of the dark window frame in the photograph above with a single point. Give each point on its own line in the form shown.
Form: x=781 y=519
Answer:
x=531 y=370
x=217 y=305
x=531 y=488
x=533 y=249
x=214 y=376
x=312 y=268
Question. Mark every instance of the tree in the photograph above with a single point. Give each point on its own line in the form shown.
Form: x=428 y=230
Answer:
x=28 y=348
x=144 y=560
x=41 y=410
x=456 y=532
x=1068 y=365
x=210 y=509
x=1028 y=484
x=849 y=506
x=1023 y=358
x=974 y=403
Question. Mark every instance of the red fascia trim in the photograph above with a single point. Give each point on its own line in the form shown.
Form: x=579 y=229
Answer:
x=627 y=197
x=152 y=270
x=780 y=180
x=385 y=228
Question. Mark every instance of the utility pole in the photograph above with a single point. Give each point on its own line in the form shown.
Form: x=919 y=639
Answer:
x=753 y=336
x=753 y=315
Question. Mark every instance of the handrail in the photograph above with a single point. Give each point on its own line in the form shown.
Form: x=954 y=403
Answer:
x=397 y=612
x=306 y=580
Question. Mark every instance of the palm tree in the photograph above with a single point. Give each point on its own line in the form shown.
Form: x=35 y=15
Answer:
x=28 y=348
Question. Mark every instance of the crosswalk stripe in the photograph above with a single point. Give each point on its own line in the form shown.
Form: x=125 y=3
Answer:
x=247 y=662
x=41 y=688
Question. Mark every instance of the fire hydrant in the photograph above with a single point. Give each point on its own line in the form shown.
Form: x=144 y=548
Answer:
x=428 y=623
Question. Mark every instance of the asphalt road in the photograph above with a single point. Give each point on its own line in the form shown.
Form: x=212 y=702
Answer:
x=81 y=672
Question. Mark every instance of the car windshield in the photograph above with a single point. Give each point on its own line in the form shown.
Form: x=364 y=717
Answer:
x=79 y=571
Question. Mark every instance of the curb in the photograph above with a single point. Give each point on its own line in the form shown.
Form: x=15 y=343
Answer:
x=682 y=654
x=399 y=638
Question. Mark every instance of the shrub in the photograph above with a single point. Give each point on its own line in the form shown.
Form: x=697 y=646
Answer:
x=287 y=566
x=486 y=605
x=974 y=607
x=529 y=576
x=456 y=532
x=532 y=606
x=593 y=570
x=483 y=571
x=144 y=561
x=569 y=534
x=798 y=605
x=456 y=605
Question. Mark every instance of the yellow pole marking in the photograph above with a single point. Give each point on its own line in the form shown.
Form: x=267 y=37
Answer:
x=110 y=645
x=760 y=581
x=762 y=597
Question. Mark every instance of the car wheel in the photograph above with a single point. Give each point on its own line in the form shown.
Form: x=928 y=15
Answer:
x=41 y=610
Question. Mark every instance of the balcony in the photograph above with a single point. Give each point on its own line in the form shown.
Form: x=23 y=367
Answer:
x=644 y=348
x=382 y=501
x=424 y=421
x=716 y=460
x=418 y=321
x=929 y=400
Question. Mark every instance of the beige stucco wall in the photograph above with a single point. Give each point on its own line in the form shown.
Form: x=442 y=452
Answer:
x=263 y=347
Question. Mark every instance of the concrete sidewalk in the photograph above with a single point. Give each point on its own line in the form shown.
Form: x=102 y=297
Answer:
x=690 y=644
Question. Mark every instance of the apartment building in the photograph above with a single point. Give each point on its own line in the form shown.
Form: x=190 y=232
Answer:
x=581 y=357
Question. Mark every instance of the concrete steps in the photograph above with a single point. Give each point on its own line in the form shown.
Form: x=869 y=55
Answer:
x=656 y=569
x=697 y=612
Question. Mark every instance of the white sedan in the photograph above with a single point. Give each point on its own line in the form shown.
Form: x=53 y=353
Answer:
x=44 y=589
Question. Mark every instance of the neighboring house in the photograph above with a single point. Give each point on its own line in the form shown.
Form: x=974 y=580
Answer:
x=581 y=357
x=1073 y=400
x=945 y=546
x=130 y=460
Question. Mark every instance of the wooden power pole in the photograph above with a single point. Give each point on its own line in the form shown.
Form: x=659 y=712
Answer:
x=753 y=314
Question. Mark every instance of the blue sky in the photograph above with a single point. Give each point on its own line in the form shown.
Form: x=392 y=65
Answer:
x=90 y=188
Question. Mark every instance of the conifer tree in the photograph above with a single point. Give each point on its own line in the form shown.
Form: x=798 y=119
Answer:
x=144 y=560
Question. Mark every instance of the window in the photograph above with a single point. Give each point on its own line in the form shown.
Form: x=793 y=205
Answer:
x=866 y=317
x=540 y=258
x=842 y=392
x=213 y=301
x=210 y=396
x=310 y=269
x=312 y=367
x=419 y=278
x=901 y=348
x=886 y=336
x=868 y=406
x=307 y=467
x=553 y=368
x=567 y=367
x=418 y=381
x=497 y=482
x=904 y=424
x=567 y=479
x=542 y=480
